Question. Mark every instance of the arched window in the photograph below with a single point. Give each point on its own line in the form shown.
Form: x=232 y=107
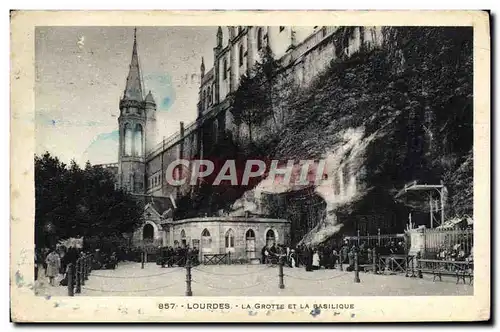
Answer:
x=128 y=139
x=224 y=67
x=206 y=240
x=259 y=39
x=148 y=232
x=242 y=55
x=250 y=243
x=230 y=239
x=203 y=98
x=270 y=237
x=250 y=234
x=138 y=140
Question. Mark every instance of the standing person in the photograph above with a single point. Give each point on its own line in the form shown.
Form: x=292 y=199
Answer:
x=309 y=257
x=292 y=258
x=53 y=265
x=37 y=262
x=315 y=260
x=273 y=253
x=345 y=253
x=45 y=253
x=265 y=253
x=350 y=256
x=334 y=258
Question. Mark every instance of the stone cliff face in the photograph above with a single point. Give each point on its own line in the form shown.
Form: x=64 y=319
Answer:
x=382 y=116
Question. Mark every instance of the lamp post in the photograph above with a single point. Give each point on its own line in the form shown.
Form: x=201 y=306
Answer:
x=426 y=187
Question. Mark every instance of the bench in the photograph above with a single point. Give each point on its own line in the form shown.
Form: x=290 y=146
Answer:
x=460 y=269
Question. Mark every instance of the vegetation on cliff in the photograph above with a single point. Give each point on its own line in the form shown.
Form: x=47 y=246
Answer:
x=411 y=99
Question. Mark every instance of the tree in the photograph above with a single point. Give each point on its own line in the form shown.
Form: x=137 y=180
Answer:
x=74 y=202
x=254 y=99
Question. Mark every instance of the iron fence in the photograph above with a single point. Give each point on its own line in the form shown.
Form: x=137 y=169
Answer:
x=447 y=244
x=378 y=240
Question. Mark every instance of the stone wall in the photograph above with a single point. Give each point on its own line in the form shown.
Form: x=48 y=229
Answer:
x=219 y=227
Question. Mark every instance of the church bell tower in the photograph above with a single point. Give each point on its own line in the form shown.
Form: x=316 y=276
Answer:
x=137 y=125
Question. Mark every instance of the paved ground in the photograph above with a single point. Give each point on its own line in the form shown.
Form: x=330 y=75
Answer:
x=252 y=280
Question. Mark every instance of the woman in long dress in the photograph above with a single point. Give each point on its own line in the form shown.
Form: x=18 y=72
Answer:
x=315 y=260
x=53 y=265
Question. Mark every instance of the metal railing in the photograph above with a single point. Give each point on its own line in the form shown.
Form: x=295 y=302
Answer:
x=378 y=240
x=447 y=243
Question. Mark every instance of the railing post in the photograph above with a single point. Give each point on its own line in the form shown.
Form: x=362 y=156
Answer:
x=142 y=259
x=189 y=292
x=281 y=283
x=356 y=268
x=87 y=266
x=70 y=280
x=419 y=266
x=374 y=259
x=229 y=258
x=82 y=271
x=406 y=265
x=78 y=279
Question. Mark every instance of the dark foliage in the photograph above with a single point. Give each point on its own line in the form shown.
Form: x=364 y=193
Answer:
x=415 y=94
x=74 y=202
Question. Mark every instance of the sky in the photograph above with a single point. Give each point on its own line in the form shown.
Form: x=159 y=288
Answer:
x=81 y=74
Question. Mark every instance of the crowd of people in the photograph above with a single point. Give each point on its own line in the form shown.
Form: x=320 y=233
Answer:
x=170 y=256
x=457 y=252
x=327 y=255
x=55 y=262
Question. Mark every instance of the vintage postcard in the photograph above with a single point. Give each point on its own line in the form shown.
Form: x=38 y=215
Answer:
x=250 y=166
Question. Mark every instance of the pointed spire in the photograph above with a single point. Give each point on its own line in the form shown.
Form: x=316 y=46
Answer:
x=150 y=98
x=133 y=88
x=202 y=67
x=219 y=37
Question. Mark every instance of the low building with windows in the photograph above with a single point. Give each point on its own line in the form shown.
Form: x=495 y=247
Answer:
x=243 y=237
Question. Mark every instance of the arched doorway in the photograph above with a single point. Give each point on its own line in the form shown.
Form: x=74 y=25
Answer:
x=183 y=239
x=229 y=240
x=270 y=238
x=148 y=232
x=250 y=243
x=206 y=241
